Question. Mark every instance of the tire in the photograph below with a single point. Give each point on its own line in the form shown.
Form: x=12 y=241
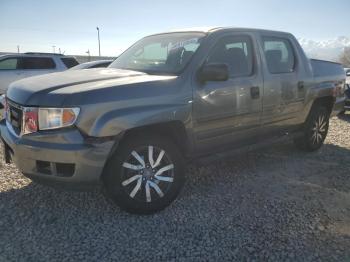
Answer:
x=145 y=175
x=314 y=131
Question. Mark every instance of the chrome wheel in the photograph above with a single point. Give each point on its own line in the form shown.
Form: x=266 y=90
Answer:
x=147 y=174
x=319 y=130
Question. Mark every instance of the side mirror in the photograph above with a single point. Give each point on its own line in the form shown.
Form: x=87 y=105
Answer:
x=213 y=72
x=348 y=73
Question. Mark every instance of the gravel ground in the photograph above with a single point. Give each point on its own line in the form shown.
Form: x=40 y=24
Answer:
x=276 y=204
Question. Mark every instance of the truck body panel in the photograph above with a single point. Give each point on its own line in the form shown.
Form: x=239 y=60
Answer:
x=215 y=115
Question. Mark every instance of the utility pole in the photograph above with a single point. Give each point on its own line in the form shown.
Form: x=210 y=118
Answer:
x=99 y=44
x=54 y=48
x=17 y=48
x=59 y=50
x=88 y=52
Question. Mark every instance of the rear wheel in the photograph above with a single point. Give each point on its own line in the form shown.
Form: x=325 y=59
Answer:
x=314 y=131
x=145 y=175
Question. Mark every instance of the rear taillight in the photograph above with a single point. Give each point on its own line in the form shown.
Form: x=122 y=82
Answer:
x=30 y=120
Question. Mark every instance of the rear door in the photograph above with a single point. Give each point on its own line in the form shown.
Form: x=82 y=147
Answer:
x=229 y=112
x=32 y=66
x=284 y=83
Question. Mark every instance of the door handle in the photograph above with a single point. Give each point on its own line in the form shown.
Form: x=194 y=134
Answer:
x=255 y=92
x=301 y=85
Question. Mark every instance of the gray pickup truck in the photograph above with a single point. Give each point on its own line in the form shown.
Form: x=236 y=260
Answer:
x=168 y=99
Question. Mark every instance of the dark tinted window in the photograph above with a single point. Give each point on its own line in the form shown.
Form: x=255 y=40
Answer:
x=69 y=61
x=101 y=65
x=8 y=64
x=279 y=55
x=236 y=52
x=36 y=63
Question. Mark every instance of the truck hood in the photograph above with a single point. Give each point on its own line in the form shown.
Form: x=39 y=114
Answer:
x=53 y=89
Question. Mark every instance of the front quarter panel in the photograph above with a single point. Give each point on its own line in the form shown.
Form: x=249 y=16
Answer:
x=118 y=121
x=115 y=117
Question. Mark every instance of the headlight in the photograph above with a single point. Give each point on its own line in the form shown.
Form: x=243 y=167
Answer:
x=52 y=118
x=35 y=119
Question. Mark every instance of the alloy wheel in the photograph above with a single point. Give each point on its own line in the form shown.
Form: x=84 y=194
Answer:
x=147 y=174
x=319 y=129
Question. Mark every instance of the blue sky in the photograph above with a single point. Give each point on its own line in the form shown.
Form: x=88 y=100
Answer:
x=37 y=25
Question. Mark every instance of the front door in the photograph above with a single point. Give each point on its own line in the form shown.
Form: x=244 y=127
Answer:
x=229 y=112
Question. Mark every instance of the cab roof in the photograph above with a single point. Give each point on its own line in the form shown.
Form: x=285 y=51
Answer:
x=211 y=29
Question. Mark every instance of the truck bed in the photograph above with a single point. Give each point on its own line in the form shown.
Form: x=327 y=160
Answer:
x=327 y=69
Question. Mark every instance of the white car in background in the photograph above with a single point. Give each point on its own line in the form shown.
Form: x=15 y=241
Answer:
x=17 y=66
x=347 y=72
x=92 y=64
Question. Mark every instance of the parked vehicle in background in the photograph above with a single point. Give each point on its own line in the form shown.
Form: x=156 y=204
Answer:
x=347 y=98
x=92 y=64
x=168 y=99
x=2 y=105
x=347 y=91
x=17 y=66
x=347 y=72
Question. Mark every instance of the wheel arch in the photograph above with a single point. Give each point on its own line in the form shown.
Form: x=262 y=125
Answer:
x=326 y=101
x=173 y=130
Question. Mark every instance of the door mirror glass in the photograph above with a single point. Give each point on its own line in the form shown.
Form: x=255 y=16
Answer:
x=213 y=72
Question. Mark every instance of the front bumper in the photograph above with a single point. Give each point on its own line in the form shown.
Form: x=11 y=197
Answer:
x=67 y=147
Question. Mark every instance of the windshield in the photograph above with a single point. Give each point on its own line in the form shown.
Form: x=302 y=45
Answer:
x=160 y=54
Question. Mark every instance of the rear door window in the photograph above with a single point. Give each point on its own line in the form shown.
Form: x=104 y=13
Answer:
x=8 y=64
x=28 y=63
x=279 y=55
x=69 y=61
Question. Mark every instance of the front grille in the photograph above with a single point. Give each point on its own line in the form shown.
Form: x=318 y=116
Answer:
x=15 y=117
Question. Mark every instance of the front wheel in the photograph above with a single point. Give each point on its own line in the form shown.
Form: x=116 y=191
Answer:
x=314 y=131
x=145 y=175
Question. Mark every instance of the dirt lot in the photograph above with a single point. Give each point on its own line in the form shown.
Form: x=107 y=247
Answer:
x=276 y=204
